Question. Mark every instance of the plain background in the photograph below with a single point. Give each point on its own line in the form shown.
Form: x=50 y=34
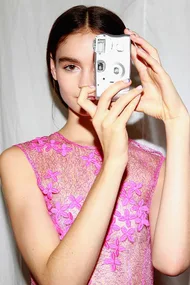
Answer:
x=26 y=105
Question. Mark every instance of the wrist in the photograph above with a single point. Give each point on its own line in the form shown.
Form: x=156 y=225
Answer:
x=114 y=165
x=179 y=124
x=178 y=133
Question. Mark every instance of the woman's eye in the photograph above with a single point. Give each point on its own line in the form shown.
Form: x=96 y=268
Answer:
x=70 y=67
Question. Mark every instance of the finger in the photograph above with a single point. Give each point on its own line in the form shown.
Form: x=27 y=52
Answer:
x=150 y=60
x=112 y=104
x=127 y=112
x=83 y=101
x=127 y=31
x=121 y=104
x=108 y=94
x=140 y=64
x=139 y=41
x=146 y=46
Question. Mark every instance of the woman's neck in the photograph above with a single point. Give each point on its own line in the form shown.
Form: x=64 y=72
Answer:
x=79 y=129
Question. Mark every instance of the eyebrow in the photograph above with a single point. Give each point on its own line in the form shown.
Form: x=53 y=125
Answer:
x=70 y=59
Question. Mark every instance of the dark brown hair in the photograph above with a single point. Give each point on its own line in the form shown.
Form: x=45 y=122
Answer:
x=76 y=19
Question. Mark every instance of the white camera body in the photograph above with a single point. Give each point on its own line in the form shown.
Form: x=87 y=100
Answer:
x=112 y=61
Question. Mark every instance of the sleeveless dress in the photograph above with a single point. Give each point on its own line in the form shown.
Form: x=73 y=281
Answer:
x=65 y=172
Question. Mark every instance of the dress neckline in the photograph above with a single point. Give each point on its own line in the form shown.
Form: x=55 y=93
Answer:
x=76 y=144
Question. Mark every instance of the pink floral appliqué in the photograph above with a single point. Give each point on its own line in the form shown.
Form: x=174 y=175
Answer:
x=132 y=186
x=127 y=234
x=142 y=221
x=48 y=203
x=52 y=175
x=38 y=144
x=75 y=202
x=133 y=211
x=94 y=158
x=113 y=226
x=126 y=217
x=140 y=208
x=113 y=261
x=106 y=243
x=68 y=220
x=58 y=228
x=52 y=145
x=64 y=150
x=127 y=198
x=59 y=211
x=117 y=247
x=49 y=190
x=89 y=159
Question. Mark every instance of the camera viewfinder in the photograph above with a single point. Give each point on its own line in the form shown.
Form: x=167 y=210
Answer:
x=101 y=46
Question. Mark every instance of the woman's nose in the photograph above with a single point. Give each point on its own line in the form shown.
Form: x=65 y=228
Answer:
x=87 y=78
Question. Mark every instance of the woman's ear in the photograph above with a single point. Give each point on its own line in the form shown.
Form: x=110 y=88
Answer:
x=53 y=69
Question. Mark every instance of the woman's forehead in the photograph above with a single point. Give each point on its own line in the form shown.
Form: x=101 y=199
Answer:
x=77 y=44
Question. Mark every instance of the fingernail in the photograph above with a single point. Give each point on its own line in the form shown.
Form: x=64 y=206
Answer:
x=92 y=86
x=139 y=87
x=127 y=80
x=135 y=35
x=140 y=49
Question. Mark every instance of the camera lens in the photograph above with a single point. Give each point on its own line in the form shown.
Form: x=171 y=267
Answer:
x=101 y=66
x=118 y=70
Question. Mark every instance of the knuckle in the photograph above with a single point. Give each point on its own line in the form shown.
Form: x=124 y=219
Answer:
x=120 y=84
x=113 y=89
x=166 y=76
x=117 y=86
x=105 y=124
x=137 y=90
x=95 y=122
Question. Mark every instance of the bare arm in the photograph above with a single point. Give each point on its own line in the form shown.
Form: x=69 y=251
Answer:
x=80 y=249
x=170 y=220
x=171 y=243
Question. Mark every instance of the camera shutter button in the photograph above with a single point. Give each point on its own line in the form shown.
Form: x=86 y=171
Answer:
x=120 y=47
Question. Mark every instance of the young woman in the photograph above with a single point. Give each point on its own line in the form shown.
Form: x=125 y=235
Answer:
x=87 y=204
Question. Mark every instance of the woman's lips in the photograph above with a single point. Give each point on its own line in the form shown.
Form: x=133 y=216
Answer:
x=91 y=97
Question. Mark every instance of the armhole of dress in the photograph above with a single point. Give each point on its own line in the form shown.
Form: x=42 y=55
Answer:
x=157 y=169
x=155 y=178
x=146 y=148
x=29 y=160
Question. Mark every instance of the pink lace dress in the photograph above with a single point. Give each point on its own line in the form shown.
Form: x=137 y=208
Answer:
x=65 y=172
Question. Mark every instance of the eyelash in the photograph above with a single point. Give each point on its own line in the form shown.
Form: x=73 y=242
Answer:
x=67 y=67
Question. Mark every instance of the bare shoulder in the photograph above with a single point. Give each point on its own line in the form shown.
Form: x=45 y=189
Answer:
x=14 y=167
x=10 y=157
x=31 y=223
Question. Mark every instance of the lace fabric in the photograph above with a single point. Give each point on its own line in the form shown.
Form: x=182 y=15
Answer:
x=65 y=172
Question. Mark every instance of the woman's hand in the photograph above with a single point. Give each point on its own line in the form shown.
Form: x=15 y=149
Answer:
x=110 y=122
x=160 y=99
